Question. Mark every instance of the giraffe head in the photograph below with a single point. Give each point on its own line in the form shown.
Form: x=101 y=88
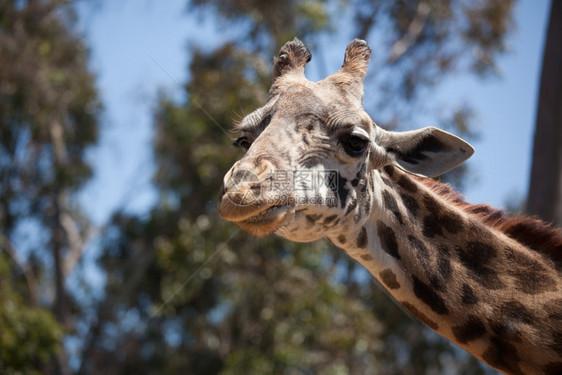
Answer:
x=311 y=151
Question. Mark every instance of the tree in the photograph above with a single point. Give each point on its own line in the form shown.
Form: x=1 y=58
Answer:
x=48 y=117
x=30 y=334
x=545 y=185
x=186 y=290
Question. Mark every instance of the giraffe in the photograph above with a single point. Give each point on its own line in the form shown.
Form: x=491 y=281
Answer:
x=316 y=165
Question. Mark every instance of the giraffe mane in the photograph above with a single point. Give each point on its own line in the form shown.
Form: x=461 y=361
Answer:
x=527 y=230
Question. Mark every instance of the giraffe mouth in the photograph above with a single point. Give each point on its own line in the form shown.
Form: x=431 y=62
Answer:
x=266 y=221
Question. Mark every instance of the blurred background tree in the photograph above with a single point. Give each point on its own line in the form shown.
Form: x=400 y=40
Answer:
x=545 y=185
x=184 y=291
x=48 y=108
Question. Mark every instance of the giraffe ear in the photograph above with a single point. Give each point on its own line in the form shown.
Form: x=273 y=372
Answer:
x=293 y=56
x=427 y=152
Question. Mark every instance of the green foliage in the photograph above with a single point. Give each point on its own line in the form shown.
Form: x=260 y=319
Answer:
x=29 y=336
x=488 y=23
x=267 y=21
x=48 y=108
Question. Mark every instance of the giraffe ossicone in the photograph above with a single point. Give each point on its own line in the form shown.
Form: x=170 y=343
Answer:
x=316 y=165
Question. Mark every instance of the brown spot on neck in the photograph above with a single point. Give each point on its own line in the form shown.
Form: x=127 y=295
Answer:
x=391 y=205
x=388 y=239
x=503 y=356
x=367 y=257
x=420 y=316
x=470 y=330
x=342 y=239
x=429 y=296
x=362 y=238
x=388 y=278
x=468 y=296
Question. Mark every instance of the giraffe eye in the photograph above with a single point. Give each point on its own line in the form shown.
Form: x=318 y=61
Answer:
x=353 y=145
x=242 y=142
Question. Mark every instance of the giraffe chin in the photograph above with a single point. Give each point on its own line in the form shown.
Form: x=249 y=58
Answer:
x=297 y=227
x=265 y=222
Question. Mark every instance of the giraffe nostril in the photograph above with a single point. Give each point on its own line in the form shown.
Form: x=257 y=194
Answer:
x=244 y=184
x=239 y=176
x=244 y=177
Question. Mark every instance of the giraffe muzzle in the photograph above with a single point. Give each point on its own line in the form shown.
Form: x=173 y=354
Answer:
x=244 y=200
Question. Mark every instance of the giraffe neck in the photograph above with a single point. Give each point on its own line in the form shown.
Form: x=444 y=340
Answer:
x=472 y=284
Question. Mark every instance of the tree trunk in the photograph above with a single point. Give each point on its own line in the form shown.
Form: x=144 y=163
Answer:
x=61 y=306
x=545 y=188
x=59 y=242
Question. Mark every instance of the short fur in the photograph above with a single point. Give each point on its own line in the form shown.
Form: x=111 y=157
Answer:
x=529 y=231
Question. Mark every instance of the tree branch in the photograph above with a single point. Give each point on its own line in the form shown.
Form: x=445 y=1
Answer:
x=401 y=46
x=76 y=243
x=60 y=237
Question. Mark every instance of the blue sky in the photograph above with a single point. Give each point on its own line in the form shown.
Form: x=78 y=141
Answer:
x=126 y=37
